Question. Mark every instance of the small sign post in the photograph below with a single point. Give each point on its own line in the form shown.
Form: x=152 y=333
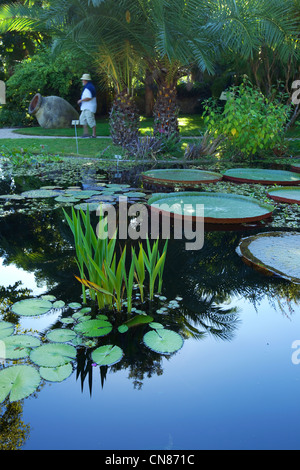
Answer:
x=2 y=92
x=75 y=123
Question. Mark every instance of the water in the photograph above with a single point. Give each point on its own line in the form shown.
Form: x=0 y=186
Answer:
x=235 y=384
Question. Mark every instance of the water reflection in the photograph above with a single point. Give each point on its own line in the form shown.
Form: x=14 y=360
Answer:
x=209 y=282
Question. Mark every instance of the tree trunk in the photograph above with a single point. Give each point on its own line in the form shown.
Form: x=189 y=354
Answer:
x=166 y=111
x=149 y=94
x=124 y=119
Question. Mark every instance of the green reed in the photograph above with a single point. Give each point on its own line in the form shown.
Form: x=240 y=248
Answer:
x=108 y=279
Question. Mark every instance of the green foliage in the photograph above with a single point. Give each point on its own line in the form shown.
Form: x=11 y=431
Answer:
x=250 y=122
x=43 y=73
x=111 y=280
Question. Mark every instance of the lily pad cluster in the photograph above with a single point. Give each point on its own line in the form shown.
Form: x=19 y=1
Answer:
x=52 y=357
x=106 y=193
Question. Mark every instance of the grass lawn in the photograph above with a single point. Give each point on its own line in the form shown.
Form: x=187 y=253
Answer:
x=189 y=126
x=95 y=148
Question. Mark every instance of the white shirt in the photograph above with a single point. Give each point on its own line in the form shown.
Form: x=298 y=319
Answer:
x=90 y=105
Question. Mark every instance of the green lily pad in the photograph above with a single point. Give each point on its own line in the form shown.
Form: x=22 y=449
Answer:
x=19 y=346
x=50 y=297
x=53 y=354
x=58 y=304
x=135 y=194
x=85 y=310
x=31 y=307
x=107 y=355
x=18 y=382
x=93 y=328
x=56 y=374
x=67 y=320
x=6 y=329
x=60 y=335
x=40 y=193
x=123 y=328
x=93 y=206
x=66 y=199
x=156 y=325
x=74 y=305
x=14 y=197
x=102 y=317
x=163 y=341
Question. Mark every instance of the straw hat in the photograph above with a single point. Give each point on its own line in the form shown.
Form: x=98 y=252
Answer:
x=86 y=76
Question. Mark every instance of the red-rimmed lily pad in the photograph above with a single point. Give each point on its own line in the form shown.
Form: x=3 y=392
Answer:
x=216 y=208
x=290 y=195
x=273 y=253
x=182 y=177
x=262 y=176
x=296 y=167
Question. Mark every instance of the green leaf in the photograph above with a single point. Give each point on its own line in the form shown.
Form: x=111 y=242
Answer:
x=107 y=355
x=163 y=341
x=56 y=374
x=60 y=335
x=93 y=328
x=6 y=329
x=31 y=307
x=19 y=346
x=53 y=354
x=18 y=382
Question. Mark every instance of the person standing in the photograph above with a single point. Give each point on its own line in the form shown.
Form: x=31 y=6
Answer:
x=88 y=106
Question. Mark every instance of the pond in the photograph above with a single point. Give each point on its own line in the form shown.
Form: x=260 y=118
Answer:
x=234 y=383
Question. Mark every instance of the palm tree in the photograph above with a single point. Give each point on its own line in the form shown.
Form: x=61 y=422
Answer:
x=167 y=37
x=195 y=33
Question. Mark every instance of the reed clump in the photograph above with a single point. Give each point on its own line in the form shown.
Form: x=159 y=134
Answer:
x=111 y=274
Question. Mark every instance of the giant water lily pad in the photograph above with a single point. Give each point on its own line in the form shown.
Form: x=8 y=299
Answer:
x=217 y=207
x=163 y=341
x=56 y=374
x=290 y=195
x=172 y=177
x=31 y=307
x=6 y=329
x=18 y=382
x=262 y=176
x=19 y=346
x=296 y=167
x=53 y=354
x=273 y=253
x=93 y=328
x=107 y=355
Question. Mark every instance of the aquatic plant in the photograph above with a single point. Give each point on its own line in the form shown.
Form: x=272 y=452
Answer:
x=108 y=279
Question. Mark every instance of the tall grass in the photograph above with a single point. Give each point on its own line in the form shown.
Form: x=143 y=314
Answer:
x=110 y=278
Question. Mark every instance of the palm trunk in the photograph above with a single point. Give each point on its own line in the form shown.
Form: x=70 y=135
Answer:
x=166 y=111
x=124 y=119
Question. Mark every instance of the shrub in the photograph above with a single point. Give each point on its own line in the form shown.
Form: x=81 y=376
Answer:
x=249 y=121
x=45 y=74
